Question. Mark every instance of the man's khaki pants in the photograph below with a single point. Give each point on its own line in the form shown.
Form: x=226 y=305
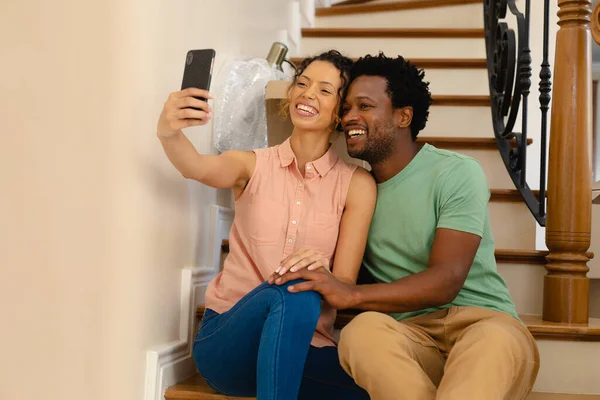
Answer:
x=460 y=353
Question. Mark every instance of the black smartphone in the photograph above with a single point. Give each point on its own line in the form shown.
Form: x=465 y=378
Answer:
x=198 y=69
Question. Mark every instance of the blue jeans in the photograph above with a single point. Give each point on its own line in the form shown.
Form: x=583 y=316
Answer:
x=261 y=347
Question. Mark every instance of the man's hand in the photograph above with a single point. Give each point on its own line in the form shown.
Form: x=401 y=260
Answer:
x=301 y=258
x=338 y=294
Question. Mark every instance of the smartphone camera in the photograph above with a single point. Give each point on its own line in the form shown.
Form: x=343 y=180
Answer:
x=190 y=58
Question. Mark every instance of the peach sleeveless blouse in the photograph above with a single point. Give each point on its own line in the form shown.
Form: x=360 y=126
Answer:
x=279 y=212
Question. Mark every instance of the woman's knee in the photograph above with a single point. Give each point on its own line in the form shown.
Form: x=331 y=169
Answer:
x=310 y=298
x=308 y=303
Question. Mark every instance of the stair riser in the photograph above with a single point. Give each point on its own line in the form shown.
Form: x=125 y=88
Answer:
x=595 y=298
x=526 y=285
x=594 y=264
x=568 y=367
x=442 y=121
x=458 y=82
x=407 y=47
x=465 y=16
x=513 y=227
x=492 y=165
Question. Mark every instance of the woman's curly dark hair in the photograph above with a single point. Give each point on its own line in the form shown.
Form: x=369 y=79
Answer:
x=405 y=85
x=334 y=57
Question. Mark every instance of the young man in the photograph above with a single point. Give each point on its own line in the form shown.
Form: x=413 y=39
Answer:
x=441 y=324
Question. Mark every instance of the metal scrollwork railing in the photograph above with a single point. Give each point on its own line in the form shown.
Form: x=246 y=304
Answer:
x=509 y=72
x=596 y=23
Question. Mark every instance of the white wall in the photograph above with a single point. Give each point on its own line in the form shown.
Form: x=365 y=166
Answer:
x=95 y=224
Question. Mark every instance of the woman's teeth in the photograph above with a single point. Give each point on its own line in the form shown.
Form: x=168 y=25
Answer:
x=356 y=132
x=308 y=109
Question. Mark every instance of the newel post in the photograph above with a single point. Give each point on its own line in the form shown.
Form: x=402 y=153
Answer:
x=568 y=225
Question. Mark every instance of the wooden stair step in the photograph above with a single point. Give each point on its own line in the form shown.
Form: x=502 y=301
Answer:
x=472 y=143
x=509 y=195
x=434 y=63
x=461 y=100
x=194 y=388
x=502 y=255
x=539 y=329
x=277 y=90
x=421 y=33
x=350 y=2
x=355 y=6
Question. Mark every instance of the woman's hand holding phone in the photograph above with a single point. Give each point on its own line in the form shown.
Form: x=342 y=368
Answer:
x=183 y=109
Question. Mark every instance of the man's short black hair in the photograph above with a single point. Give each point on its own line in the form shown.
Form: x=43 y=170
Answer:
x=405 y=85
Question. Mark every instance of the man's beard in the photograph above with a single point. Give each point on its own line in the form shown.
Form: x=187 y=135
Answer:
x=378 y=146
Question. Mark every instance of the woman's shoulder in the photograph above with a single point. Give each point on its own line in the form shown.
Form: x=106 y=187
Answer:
x=362 y=177
x=348 y=167
x=266 y=152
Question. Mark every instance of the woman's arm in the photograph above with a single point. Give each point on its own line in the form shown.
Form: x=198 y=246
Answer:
x=232 y=169
x=354 y=226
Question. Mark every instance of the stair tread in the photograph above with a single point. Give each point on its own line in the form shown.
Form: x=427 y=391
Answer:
x=502 y=255
x=510 y=195
x=277 y=89
x=461 y=100
x=431 y=63
x=466 y=142
x=195 y=388
x=539 y=328
x=392 y=6
x=562 y=330
x=393 y=32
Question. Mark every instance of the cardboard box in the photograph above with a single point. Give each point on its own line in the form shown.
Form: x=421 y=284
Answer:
x=278 y=127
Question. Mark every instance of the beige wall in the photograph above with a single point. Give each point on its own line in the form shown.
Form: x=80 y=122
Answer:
x=95 y=224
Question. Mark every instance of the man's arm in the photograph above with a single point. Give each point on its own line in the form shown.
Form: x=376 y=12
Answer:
x=451 y=257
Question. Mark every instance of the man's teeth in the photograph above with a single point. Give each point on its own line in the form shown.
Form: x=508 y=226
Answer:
x=356 y=132
x=306 y=108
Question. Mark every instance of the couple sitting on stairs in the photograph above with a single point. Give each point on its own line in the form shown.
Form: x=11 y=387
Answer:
x=439 y=321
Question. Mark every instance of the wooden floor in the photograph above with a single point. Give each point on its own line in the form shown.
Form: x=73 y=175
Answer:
x=195 y=388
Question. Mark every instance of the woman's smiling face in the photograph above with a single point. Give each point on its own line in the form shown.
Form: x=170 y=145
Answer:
x=314 y=97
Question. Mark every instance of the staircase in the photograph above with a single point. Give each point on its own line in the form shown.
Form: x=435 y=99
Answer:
x=446 y=38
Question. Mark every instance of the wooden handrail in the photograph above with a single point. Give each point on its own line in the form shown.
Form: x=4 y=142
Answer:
x=568 y=226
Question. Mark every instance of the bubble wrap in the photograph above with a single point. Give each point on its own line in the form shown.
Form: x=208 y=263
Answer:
x=240 y=115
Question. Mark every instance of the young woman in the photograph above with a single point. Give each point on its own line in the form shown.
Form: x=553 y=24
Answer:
x=297 y=204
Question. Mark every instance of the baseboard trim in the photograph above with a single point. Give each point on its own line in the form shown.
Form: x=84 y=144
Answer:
x=172 y=362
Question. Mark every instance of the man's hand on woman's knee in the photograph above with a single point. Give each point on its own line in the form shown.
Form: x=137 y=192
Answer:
x=338 y=294
x=302 y=258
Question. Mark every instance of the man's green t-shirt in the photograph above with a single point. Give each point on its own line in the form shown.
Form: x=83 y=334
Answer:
x=437 y=189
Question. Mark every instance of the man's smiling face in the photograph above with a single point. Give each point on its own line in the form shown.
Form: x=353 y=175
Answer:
x=368 y=119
